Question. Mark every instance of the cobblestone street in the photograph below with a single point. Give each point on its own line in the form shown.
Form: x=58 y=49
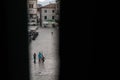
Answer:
x=46 y=43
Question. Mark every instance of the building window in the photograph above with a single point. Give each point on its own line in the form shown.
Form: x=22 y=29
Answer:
x=53 y=11
x=30 y=5
x=53 y=17
x=45 y=11
x=45 y=17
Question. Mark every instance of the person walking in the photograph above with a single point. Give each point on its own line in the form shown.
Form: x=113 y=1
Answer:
x=39 y=56
x=34 y=57
x=43 y=58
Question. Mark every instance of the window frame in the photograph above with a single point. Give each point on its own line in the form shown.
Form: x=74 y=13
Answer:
x=53 y=17
x=30 y=5
x=45 y=11
x=45 y=17
x=53 y=11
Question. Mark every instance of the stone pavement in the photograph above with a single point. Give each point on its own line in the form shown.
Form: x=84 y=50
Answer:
x=48 y=45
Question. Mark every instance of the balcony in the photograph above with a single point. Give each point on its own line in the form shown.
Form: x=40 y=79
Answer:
x=32 y=11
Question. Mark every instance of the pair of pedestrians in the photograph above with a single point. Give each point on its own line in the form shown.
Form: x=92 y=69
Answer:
x=41 y=58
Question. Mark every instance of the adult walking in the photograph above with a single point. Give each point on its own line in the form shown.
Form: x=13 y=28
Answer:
x=34 y=57
x=39 y=56
x=43 y=58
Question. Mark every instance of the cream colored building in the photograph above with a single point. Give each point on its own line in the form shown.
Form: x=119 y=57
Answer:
x=32 y=13
x=48 y=14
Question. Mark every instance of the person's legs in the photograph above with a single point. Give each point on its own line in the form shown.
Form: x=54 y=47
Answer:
x=43 y=60
x=39 y=60
x=34 y=61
